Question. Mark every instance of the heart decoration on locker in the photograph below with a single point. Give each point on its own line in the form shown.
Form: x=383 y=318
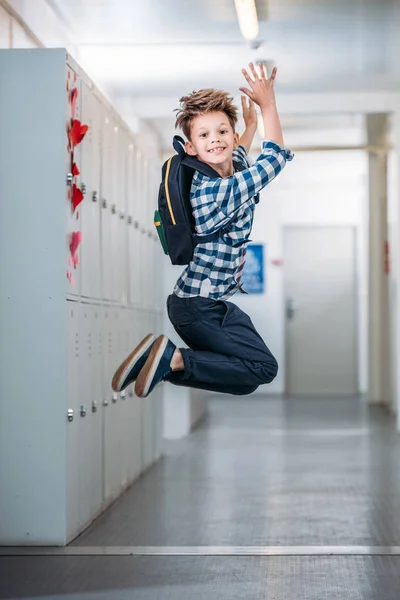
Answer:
x=76 y=133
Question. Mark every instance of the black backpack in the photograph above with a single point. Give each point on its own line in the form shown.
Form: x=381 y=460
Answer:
x=174 y=219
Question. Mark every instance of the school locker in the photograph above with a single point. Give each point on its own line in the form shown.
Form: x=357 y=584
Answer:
x=133 y=234
x=135 y=406
x=90 y=185
x=99 y=291
x=73 y=99
x=74 y=343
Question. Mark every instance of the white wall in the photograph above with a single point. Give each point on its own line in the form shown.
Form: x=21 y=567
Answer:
x=316 y=188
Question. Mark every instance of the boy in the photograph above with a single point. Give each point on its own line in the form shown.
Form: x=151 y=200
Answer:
x=225 y=353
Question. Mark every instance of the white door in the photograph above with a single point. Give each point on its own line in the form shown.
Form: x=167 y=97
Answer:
x=321 y=311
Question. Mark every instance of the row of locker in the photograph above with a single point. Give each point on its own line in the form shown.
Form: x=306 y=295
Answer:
x=120 y=186
x=111 y=438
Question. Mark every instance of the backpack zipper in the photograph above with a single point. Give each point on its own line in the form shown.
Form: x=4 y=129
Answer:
x=167 y=191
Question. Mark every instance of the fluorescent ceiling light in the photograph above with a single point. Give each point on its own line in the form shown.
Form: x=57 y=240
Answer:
x=247 y=17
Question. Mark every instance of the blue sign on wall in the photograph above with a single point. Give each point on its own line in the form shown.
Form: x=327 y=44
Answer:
x=253 y=273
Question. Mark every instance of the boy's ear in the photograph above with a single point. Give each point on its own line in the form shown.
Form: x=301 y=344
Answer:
x=189 y=149
x=236 y=139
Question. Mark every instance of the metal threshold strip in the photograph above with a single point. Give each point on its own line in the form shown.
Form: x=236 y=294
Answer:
x=201 y=551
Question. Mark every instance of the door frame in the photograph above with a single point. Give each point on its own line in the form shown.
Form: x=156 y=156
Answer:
x=356 y=331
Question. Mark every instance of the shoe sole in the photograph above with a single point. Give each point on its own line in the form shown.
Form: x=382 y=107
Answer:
x=145 y=378
x=122 y=372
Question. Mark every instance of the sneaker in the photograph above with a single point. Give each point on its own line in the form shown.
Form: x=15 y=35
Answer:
x=157 y=367
x=128 y=371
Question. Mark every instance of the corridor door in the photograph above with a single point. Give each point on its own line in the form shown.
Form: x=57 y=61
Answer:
x=321 y=310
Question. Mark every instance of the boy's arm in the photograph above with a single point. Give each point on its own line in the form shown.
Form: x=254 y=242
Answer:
x=250 y=121
x=262 y=93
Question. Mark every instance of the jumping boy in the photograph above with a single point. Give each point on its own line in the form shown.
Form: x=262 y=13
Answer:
x=225 y=352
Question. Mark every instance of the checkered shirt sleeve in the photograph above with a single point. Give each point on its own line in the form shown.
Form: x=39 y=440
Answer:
x=215 y=201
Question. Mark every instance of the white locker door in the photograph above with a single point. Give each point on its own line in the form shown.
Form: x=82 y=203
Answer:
x=73 y=222
x=135 y=235
x=147 y=408
x=132 y=231
x=90 y=180
x=73 y=402
x=124 y=414
x=139 y=224
x=135 y=407
x=105 y=205
x=90 y=434
x=122 y=236
x=112 y=434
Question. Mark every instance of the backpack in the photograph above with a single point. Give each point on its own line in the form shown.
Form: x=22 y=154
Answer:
x=174 y=218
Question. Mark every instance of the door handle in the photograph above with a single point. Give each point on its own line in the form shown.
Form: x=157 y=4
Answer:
x=290 y=308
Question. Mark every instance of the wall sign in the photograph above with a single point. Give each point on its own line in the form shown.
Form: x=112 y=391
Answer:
x=253 y=273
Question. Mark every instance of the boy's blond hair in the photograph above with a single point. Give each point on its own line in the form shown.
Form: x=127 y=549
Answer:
x=202 y=102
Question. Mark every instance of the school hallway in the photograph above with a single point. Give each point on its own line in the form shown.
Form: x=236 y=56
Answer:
x=314 y=483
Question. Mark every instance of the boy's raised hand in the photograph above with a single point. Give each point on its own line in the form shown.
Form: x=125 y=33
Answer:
x=249 y=114
x=262 y=87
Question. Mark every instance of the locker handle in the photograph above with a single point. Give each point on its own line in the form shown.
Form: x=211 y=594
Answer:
x=70 y=414
x=94 y=196
x=94 y=406
x=105 y=402
x=104 y=203
x=113 y=209
x=114 y=398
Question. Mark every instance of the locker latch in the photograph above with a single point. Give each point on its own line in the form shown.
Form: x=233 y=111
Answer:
x=122 y=394
x=94 y=406
x=114 y=398
x=113 y=209
x=83 y=188
x=94 y=196
x=70 y=414
x=83 y=411
x=69 y=179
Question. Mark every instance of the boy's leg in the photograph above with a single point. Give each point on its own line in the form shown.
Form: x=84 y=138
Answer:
x=226 y=353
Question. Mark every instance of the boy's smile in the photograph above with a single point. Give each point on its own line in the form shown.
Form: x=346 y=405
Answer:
x=212 y=140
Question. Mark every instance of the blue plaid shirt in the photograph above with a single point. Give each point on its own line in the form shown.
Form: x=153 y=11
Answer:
x=227 y=204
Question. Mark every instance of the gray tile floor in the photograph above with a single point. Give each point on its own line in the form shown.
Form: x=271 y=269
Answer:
x=259 y=472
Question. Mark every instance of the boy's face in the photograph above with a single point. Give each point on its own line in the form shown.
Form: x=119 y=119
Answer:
x=212 y=140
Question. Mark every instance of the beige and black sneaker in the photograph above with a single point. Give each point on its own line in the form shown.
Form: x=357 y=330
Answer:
x=129 y=370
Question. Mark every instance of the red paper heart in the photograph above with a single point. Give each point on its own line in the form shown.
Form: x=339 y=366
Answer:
x=73 y=99
x=77 y=132
x=75 y=170
x=77 y=197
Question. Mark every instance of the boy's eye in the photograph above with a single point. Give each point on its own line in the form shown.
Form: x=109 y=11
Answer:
x=223 y=131
x=203 y=134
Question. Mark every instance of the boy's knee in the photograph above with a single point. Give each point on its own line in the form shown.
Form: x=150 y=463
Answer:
x=270 y=370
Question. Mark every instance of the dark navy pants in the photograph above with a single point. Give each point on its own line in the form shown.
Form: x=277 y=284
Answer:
x=225 y=353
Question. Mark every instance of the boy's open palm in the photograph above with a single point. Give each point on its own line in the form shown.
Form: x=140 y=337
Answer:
x=262 y=87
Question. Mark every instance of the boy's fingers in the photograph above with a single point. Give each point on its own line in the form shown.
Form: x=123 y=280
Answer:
x=253 y=71
x=246 y=91
x=247 y=77
x=263 y=70
x=273 y=74
x=243 y=102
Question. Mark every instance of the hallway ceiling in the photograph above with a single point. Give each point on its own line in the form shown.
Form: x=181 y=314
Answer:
x=146 y=54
